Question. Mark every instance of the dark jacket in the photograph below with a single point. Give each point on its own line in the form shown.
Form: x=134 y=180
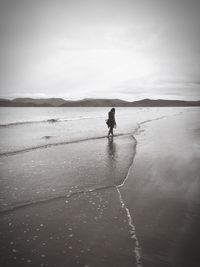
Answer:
x=111 y=119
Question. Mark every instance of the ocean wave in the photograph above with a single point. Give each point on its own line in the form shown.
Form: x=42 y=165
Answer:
x=52 y=120
x=28 y=149
x=27 y=122
x=70 y=192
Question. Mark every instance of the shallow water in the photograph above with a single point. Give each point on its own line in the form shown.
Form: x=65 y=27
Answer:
x=54 y=152
x=27 y=128
x=43 y=174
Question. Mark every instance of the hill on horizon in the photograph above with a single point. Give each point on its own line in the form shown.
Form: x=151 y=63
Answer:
x=90 y=102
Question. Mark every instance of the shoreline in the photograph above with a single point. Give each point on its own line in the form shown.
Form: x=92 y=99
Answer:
x=135 y=222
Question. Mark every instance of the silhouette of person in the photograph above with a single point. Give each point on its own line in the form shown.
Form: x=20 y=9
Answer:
x=111 y=121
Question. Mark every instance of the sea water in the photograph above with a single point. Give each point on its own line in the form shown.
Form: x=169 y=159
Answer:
x=28 y=128
x=55 y=152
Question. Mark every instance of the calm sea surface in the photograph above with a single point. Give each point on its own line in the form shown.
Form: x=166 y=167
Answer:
x=26 y=128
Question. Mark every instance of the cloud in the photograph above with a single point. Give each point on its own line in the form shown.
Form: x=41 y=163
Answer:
x=102 y=48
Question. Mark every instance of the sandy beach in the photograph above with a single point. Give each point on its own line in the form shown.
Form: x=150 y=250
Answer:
x=130 y=201
x=162 y=191
x=99 y=133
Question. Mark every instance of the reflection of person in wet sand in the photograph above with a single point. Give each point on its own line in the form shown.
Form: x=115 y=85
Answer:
x=112 y=161
x=111 y=149
x=111 y=121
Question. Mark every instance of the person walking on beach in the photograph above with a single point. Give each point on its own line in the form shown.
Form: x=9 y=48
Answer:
x=111 y=121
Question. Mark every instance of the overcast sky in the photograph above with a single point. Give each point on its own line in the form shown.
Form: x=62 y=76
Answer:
x=128 y=49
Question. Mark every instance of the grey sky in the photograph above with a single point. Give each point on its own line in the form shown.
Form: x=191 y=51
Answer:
x=102 y=49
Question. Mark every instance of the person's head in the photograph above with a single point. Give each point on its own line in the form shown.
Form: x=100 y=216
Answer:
x=112 y=110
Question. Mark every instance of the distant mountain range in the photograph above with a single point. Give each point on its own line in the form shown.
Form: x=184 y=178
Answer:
x=59 y=102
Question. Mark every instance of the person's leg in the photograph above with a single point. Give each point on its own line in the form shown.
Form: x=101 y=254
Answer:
x=111 y=130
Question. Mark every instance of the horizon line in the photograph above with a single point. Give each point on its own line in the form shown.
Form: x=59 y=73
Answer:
x=88 y=98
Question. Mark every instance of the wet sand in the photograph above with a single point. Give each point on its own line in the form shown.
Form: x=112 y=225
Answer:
x=163 y=191
x=58 y=171
x=84 y=225
x=89 y=229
